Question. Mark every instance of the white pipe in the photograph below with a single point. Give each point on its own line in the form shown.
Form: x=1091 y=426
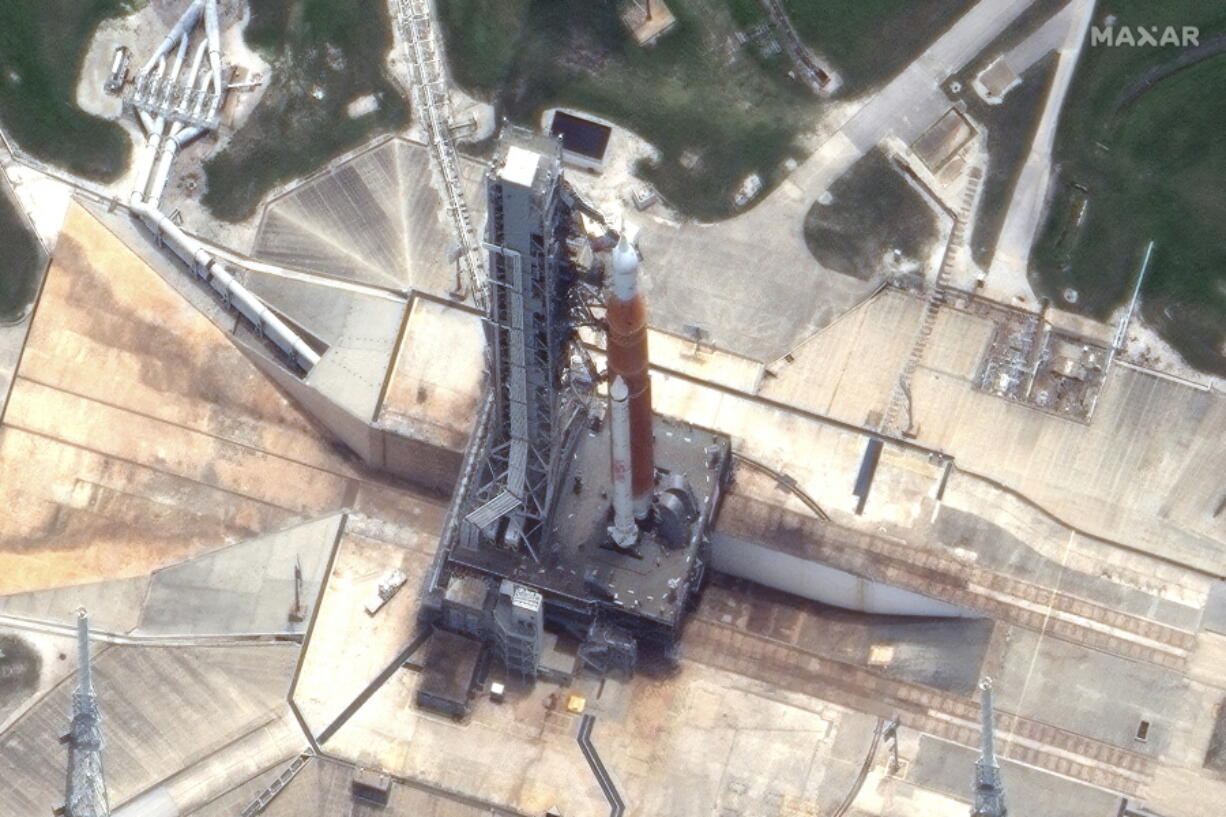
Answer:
x=623 y=530
x=162 y=174
x=206 y=81
x=179 y=138
x=213 y=32
x=193 y=78
x=168 y=87
x=193 y=252
x=191 y=91
x=219 y=92
x=180 y=29
x=180 y=58
x=145 y=169
x=146 y=122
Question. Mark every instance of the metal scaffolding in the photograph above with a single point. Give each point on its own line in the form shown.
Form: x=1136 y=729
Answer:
x=85 y=794
x=433 y=106
x=530 y=331
x=989 y=791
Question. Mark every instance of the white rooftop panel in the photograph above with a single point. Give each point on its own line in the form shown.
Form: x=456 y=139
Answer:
x=520 y=166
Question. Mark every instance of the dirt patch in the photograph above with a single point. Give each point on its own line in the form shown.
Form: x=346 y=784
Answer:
x=20 y=669
x=873 y=214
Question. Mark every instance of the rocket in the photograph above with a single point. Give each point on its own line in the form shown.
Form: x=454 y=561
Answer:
x=627 y=351
x=624 y=531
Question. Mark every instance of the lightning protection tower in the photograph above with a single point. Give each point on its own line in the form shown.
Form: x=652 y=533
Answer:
x=989 y=791
x=85 y=794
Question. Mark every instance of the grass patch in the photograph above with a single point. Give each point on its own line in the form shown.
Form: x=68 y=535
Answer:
x=715 y=108
x=874 y=212
x=21 y=259
x=1140 y=166
x=869 y=41
x=324 y=54
x=42 y=46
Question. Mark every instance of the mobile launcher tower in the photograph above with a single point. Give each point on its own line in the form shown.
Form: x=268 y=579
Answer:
x=577 y=537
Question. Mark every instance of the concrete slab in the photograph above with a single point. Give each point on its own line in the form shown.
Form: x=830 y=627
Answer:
x=1088 y=692
x=152 y=435
x=112 y=605
x=353 y=370
x=434 y=386
x=163 y=709
x=375 y=218
x=950 y=769
x=1215 y=610
x=716 y=277
x=325 y=787
x=347 y=648
x=848 y=370
x=244 y=588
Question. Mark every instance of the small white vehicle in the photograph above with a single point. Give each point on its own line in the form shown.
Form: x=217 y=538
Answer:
x=388 y=585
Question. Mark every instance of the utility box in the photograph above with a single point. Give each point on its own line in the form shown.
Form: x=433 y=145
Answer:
x=374 y=788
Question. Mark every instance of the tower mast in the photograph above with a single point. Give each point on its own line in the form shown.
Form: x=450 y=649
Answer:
x=989 y=791
x=85 y=794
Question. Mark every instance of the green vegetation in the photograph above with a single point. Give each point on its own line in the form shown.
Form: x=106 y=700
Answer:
x=42 y=45
x=715 y=108
x=324 y=55
x=874 y=211
x=869 y=41
x=1141 y=157
x=21 y=260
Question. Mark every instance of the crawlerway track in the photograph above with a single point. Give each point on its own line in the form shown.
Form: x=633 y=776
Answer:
x=918 y=707
x=1008 y=599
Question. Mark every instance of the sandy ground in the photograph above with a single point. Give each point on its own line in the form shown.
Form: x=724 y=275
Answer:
x=44 y=199
x=1146 y=347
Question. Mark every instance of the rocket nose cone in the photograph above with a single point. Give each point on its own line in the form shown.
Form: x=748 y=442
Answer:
x=625 y=258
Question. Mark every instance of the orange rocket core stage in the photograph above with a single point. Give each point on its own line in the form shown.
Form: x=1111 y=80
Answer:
x=627 y=338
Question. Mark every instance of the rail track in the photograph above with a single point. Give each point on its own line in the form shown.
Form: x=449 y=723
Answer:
x=934 y=712
x=1033 y=606
x=937 y=574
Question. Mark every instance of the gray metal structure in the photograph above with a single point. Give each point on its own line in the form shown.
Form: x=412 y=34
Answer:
x=989 y=791
x=529 y=331
x=195 y=98
x=528 y=543
x=85 y=794
x=519 y=624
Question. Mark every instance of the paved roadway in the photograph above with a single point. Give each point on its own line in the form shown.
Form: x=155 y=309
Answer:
x=750 y=283
x=1007 y=279
x=911 y=102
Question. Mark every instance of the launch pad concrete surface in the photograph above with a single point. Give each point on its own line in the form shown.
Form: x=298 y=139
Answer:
x=152 y=436
x=152 y=472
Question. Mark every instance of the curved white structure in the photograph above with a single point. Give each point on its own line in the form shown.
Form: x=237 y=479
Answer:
x=183 y=102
